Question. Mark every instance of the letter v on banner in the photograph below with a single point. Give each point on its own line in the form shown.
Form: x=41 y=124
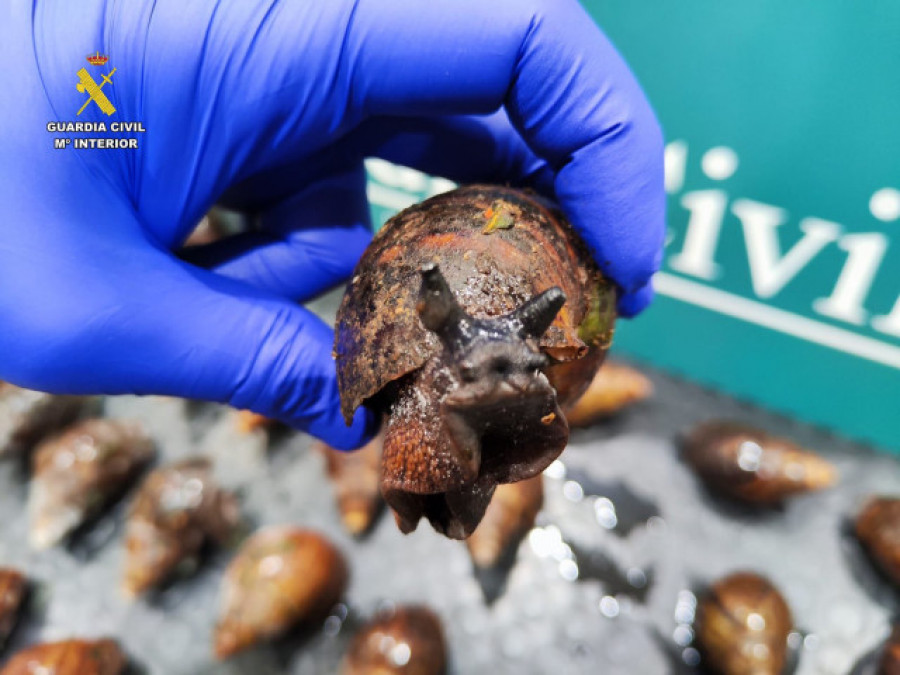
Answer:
x=770 y=271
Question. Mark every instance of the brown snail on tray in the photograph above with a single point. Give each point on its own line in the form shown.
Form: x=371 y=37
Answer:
x=508 y=518
x=890 y=657
x=28 y=416
x=280 y=578
x=13 y=589
x=877 y=526
x=406 y=640
x=356 y=477
x=211 y=228
x=177 y=510
x=78 y=472
x=69 y=657
x=752 y=466
x=614 y=388
x=247 y=422
x=743 y=623
x=470 y=320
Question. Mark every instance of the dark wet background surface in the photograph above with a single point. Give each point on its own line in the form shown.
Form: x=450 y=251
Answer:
x=604 y=584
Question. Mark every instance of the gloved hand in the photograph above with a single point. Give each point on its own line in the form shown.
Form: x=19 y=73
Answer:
x=270 y=106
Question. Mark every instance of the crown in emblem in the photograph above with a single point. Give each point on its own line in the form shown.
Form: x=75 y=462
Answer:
x=97 y=59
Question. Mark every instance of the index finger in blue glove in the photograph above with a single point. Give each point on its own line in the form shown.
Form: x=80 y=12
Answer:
x=567 y=91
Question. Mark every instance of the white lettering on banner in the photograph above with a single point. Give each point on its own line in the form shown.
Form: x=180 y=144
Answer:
x=890 y=323
x=719 y=163
x=707 y=208
x=864 y=254
x=769 y=270
x=675 y=158
x=776 y=319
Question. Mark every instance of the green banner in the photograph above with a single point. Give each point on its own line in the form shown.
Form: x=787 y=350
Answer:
x=781 y=282
x=782 y=276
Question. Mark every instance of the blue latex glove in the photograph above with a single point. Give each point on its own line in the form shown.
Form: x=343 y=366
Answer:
x=271 y=106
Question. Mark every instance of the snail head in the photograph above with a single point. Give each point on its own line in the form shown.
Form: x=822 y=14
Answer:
x=503 y=400
x=494 y=420
x=494 y=357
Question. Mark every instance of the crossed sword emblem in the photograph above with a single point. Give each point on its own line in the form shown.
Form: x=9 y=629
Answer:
x=88 y=85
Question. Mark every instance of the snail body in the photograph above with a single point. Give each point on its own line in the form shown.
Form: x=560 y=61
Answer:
x=469 y=321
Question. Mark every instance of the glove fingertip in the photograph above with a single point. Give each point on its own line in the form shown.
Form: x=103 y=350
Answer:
x=363 y=428
x=632 y=304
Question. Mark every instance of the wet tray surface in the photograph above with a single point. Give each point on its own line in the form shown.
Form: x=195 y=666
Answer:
x=604 y=583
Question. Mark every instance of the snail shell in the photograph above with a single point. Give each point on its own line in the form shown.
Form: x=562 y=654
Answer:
x=878 y=528
x=403 y=641
x=742 y=626
x=356 y=477
x=13 y=589
x=890 y=659
x=27 y=416
x=71 y=657
x=614 y=387
x=79 y=472
x=750 y=465
x=175 y=512
x=508 y=518
x=281 y=577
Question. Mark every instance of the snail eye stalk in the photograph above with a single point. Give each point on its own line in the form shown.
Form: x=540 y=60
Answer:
x=437 y=307
x=536 y=315
x=440 y=313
